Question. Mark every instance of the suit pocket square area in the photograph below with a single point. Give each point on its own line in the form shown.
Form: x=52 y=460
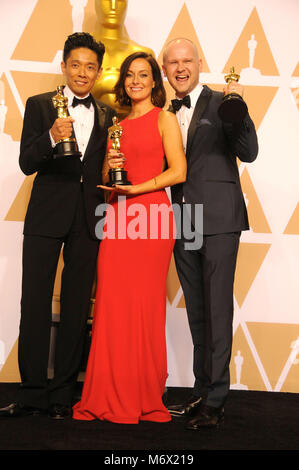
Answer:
x=204 y=122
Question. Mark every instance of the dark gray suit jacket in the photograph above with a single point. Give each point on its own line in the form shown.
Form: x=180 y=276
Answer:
x=212 y=175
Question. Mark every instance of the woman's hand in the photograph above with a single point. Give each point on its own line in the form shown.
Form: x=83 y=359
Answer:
x=115 y=159
x=120 y=189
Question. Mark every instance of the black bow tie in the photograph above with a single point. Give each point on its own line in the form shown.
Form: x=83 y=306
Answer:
x=86 y=101
x=177 y=104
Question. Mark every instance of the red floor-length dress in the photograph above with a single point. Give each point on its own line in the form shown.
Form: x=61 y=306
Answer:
x=127 y=367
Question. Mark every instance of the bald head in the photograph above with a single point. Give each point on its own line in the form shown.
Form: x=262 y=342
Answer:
x=180 y=42
x=181 y=65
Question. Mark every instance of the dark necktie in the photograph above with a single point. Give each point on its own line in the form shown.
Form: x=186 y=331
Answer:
x=177 y=104
x=85 y=101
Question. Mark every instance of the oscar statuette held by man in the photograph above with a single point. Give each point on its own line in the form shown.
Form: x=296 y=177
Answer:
x=67 y=146
x=233 y=108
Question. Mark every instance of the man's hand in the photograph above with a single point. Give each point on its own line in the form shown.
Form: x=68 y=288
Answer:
x=62 y=128
x=233 y=87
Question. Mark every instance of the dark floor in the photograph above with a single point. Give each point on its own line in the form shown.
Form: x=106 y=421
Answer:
x=254 y=421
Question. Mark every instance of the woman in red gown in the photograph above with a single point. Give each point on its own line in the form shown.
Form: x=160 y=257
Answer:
x=127 y=367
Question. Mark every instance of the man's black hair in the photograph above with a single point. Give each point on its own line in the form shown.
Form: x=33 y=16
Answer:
x=76 y=40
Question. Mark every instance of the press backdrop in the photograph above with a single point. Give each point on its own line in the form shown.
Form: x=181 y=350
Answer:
x=260 y=38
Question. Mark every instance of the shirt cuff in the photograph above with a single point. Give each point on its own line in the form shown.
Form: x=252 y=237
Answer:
x=53 y=143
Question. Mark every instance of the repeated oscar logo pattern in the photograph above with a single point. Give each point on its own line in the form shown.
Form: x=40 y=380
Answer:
x=265 y=351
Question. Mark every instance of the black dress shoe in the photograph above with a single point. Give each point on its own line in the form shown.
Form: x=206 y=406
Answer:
x=188 y=408
x=15 y=410
x=206 y=417
x=57 y=411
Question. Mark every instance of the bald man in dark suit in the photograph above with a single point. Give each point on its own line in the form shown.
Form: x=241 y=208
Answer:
x=207 y=273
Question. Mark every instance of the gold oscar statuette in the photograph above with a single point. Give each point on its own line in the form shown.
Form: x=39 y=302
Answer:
x=116 y=175
x=233 y=108
x=68 y=146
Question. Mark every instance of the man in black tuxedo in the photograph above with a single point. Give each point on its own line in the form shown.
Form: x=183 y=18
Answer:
x=207 y=273
x=61 y=213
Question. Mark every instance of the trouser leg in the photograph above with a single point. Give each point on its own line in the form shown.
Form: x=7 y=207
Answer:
x=219 y=262
x=207 y=278
x=80 y=255
x=40 y=259
x=189 y=269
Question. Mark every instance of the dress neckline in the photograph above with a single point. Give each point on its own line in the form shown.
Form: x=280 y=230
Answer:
x=143 y=115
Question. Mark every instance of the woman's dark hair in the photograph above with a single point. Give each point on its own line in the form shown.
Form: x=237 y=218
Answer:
x=158 y=92
x=76 y=40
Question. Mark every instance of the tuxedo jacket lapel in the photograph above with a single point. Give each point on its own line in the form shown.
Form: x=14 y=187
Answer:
x=101 y=112
x=52 y=111
x=99 y=123
x=200 y=107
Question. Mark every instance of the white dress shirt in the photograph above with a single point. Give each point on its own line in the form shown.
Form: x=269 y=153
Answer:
x=84 y=120
x=184 y=115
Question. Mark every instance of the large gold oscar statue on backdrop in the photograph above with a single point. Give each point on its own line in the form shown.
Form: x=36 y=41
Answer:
x=112 y=32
